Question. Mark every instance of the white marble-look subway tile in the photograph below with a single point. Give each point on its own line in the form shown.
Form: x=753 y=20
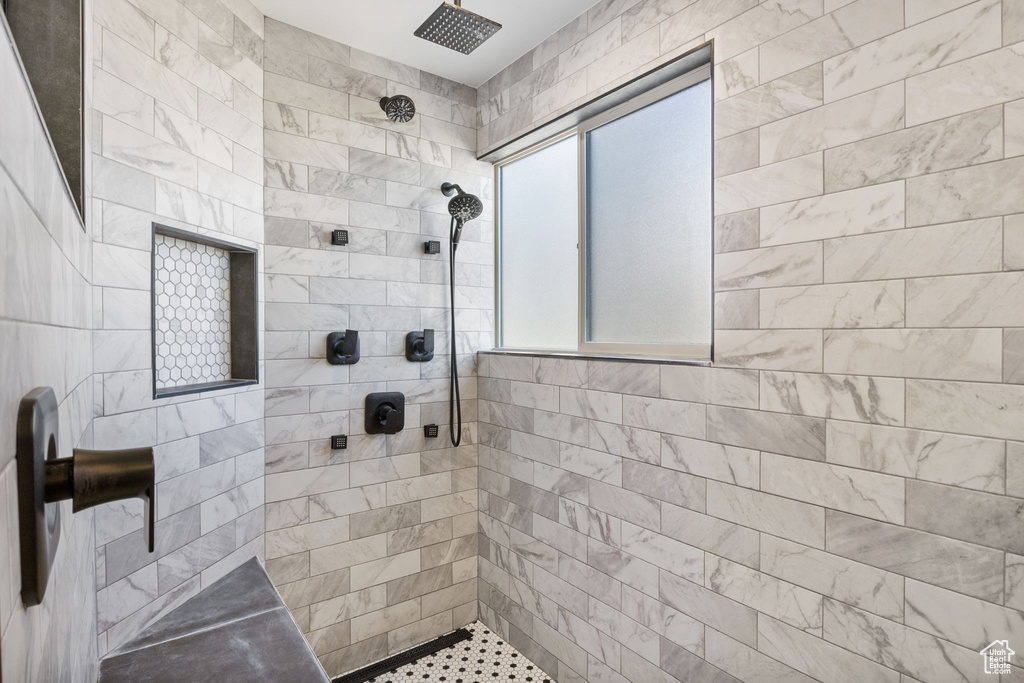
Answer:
x=182 y=57
x=796 y=350
x=966 y=301
x=876 y=400
x=968 y=247
x=965 y=140
x=120 y=599
x=736 y=75
x=280 y=33
x=231 y=123
x=771 y=514
x=868 y=588
x=683 y=22
x=301 y=150
x=594 y=405
x=737 y=153
x=922 y=10
x=785 y=181
x=916 y=554
x=136 y=149
x=968 y=354
x=1013 y=128
x=230 y=187
x=795 y=435
x=930 y=456
x=958 y=618
x=703 y=604
x=973 y=516
x=304 y=95
x=869 y=304
x=818 y=657
x=729 y=464
x=873 y=113
x=138 y=69
x=771 y=101
x=787 y=602
x=721 y=386
x=285 y=61
x=954 y=89
x=868 y=494
x=799 y=264
x=623 y=60
x=306 y=427
x=900 y=647
x=845 y=28
x=737 y=310
x=965 y=408
x=963 y=194
x=121 y=101
x=300 y=205
x=304 y=537
x=673 y=417
x=760 y=24
x=345 y=79
x=962 y=33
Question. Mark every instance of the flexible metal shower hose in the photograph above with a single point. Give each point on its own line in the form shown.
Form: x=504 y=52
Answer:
x=454 y=399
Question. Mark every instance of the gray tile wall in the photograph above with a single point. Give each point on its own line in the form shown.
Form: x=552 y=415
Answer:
x=179 y=141
x=839 y=498
x=45 y=340
x=374 y=547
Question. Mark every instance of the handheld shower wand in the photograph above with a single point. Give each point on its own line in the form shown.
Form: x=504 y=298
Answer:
x=463 y=208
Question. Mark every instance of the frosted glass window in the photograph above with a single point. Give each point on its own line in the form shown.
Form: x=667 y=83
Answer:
x=539 y=256
x=648 y=223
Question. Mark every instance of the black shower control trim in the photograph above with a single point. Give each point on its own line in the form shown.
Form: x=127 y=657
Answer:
x=339 y=442
x=343 y=347
x=339 y=238
x=385 y=412
x=87 y=478
x=430 y=431
x=432 y=247
x=419 y=346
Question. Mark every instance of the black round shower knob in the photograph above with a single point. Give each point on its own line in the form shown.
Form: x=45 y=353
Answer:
x=399 y=108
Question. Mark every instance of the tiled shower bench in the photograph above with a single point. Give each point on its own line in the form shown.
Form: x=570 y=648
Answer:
x=236 y=631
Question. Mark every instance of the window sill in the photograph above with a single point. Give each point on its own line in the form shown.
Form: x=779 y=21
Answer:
x=569 y=355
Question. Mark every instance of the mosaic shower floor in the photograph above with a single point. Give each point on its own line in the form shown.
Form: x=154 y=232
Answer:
x=484 y=657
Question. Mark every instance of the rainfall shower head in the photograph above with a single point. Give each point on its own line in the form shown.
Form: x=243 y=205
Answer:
x=463 y=208
x=456 y=28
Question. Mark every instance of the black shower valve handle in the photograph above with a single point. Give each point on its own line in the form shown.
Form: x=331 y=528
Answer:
x=343 y=347
x=90 y=478
x=419 y=346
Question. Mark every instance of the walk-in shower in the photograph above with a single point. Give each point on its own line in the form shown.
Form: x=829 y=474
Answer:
x=463 y=208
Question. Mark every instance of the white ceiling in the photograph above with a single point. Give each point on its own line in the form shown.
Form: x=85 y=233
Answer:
x=385 y=28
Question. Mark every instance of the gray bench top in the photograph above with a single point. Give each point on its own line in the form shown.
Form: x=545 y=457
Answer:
x=237 y=630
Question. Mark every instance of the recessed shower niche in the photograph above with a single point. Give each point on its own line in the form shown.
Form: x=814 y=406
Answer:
x=205 y=313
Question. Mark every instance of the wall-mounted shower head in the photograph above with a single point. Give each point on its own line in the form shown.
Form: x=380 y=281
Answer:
x=456 y=28
x=463 y=208
x=399 y=108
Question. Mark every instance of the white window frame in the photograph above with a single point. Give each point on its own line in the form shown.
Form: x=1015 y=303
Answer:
x=688 y=352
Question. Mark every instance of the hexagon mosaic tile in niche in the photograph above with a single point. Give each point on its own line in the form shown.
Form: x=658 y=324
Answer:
x=191 y=314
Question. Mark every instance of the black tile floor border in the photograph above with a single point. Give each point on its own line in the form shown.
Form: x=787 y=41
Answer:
x=402 y=658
